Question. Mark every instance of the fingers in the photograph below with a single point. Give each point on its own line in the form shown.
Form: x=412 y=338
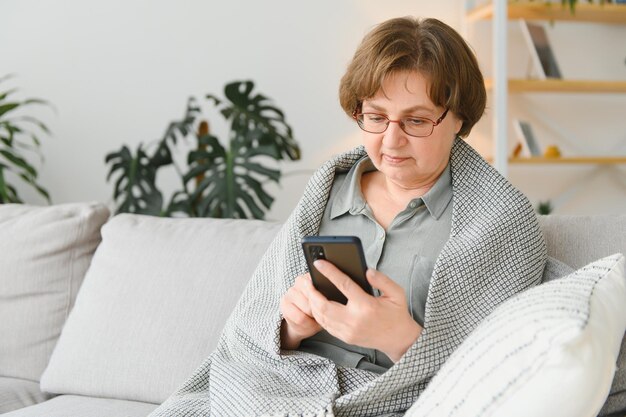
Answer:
x=344 y=283
x=386 y=285
x=293 y=314
x=298 y=294
x=327 y=313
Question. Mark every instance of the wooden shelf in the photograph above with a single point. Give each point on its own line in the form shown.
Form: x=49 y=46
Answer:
x=596 y=160
x=563 y=86
x=606 y=13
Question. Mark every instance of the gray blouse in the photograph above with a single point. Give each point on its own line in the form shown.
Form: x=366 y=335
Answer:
x=406 y=251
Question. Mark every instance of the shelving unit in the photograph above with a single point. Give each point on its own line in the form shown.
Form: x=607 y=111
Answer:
x=500 y=12
x=595 y=160
x=605 y=13
x=562 y=86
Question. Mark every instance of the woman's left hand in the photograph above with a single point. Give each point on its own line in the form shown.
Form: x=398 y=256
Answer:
x=383 y=323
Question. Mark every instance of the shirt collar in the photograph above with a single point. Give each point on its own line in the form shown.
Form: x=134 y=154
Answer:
x=349 y=197
x=439 y=196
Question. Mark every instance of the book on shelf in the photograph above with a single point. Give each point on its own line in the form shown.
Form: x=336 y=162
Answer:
x=541 y=53
x=524 y=131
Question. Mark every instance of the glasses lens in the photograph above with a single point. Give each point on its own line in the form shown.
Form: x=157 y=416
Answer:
x=377 y=123
x=372 y=122
x=416 y=126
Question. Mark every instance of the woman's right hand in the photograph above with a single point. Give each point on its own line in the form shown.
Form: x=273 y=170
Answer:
x=298 y=323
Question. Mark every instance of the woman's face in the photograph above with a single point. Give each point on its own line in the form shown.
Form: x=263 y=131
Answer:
x=407 y=161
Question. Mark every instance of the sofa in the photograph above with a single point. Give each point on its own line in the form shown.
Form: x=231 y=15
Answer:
x=107 y=316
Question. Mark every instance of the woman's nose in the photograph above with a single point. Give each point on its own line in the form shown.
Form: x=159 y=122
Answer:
x=394 y=136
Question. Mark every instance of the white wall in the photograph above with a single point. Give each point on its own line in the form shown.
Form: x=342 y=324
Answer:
x=118 y=71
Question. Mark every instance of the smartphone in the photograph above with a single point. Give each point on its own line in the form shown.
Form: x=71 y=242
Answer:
x=346 y=253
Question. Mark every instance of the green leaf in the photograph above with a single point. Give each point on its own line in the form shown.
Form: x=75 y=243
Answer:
x=5 y=108
x=229 y=181
x=162 y=156
x=18 y=143
x=37 y=187
x=4 y=95
x=19 y=162
x=261 y=194
x=251 y=205
x=248 y=112
x=273 y=174
x=182 y=127
x=135 y=189
x=36 y=122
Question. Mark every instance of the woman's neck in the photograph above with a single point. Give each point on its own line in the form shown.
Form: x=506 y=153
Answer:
x=400 y=194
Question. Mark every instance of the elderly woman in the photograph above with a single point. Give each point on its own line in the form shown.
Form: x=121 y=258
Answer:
x=446 y=239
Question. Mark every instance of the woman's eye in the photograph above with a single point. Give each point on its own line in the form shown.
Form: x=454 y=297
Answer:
x=374 y=118
x=414 y=121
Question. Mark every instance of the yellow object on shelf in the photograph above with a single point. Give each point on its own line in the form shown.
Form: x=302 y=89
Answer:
x=552 y=152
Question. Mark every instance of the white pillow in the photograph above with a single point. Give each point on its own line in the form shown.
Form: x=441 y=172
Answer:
x=550 y=351
x=44 y=253
x=153 y=304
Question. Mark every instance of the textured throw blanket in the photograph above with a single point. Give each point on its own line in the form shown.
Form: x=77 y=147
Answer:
x=495 y=250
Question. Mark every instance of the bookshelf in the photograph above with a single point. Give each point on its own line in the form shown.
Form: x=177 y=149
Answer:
x=596 y=13
x=562 y=86
x=502 y=11
x=594 y=160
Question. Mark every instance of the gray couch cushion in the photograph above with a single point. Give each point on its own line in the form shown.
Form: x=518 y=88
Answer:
x=555 y=269
x=17 y=393
x=44 y=253
x=153 y=304
x=77 y=406
x=579 y=240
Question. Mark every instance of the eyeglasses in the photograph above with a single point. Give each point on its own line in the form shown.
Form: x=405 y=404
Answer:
x=419 y=127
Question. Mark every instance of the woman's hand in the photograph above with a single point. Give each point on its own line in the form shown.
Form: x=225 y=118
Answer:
x=383 y=323
x=298 y=323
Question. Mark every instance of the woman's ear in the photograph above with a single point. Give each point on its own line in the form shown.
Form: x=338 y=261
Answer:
x=458 y=124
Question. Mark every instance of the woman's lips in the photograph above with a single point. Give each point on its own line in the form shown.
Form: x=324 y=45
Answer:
x=393 y=159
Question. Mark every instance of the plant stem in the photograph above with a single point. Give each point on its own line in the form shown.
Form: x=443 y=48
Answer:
x=230 y=179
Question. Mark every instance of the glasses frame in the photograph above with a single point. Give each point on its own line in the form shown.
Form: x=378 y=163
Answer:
x=356 y=114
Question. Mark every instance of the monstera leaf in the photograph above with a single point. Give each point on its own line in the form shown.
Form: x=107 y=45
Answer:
x=253 y=113
x=18 y=141
x=135 y=187
x=136 y=182
x=233 y=178
x=220 y=181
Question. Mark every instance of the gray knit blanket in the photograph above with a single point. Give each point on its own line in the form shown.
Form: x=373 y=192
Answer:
x=495 y=250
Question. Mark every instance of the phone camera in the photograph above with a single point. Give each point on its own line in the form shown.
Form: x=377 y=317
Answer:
x=317 y=252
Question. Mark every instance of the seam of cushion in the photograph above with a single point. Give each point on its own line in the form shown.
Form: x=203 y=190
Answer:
x=595 y=284
x=82 y=220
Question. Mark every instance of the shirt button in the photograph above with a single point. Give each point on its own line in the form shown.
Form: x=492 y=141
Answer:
x=382 y=236
x=412 y=204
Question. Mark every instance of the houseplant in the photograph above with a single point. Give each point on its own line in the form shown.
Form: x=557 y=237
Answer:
x=217 y=181
x=19 y=142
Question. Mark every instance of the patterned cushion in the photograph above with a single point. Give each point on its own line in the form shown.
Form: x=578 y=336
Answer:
x=549 y=351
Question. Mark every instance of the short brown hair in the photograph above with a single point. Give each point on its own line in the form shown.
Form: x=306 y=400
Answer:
x=428 y=46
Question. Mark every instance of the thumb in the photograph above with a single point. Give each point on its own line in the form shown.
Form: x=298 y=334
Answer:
x=383 y=283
